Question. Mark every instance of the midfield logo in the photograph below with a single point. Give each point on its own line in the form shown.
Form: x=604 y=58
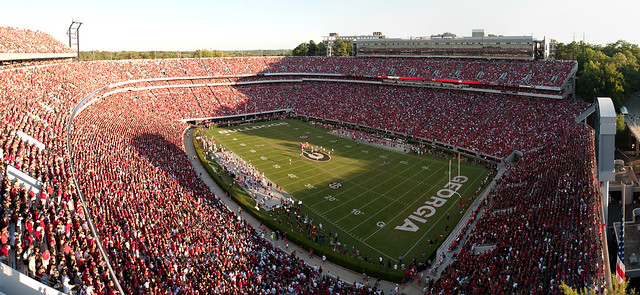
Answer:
x=318 y=156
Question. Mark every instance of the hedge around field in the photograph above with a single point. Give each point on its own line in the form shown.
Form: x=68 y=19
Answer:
x=245 y=201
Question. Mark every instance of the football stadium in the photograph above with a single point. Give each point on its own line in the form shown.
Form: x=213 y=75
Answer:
x=441 y=170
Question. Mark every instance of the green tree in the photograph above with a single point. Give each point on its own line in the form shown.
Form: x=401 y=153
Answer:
x=618 y=289
x=169 y=54
x=620 y=124
x=610 y=70
x=127 y=55
x=589 y=82
x=201 y=53
x=301 y=50
x=350 y=48
x=218 y=53
x=619 y=46
x=313 y=48
x=340 y=48
x=631 y=74
x=322 y=49
x=623 y=138
x=567 y=51
x=613 y=84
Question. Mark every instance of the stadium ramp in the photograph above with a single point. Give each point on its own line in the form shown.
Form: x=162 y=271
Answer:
x=586 y=113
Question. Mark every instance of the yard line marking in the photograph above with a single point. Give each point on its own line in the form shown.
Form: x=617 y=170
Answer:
x=275 y=175
x=383 y=209
x=349 y=164
x=353 y=181
x=434 y=224
x=352 y=235
x=372 y=200
x=411 y=167
x=400 y=212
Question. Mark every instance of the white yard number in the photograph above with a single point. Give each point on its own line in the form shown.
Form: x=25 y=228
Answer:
x=263 y=158
x=292 y=176
x=310 y=186
x=253 y=151
x=330 y=198
x=356 y=212
x=404 y=162
x=242 y=144
x=276 y=166
x=365 y=151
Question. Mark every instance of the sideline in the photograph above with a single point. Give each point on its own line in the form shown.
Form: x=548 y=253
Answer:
x=328 y=268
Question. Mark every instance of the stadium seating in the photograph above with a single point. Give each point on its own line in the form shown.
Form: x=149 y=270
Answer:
x=545 y=206
x=141 y=197
x=15 y=40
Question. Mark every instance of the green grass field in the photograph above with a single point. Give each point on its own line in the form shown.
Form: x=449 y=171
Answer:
x=376 y=202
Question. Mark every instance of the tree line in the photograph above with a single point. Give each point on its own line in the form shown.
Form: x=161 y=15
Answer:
x=200 y=53
x=311 y=48
x=604 y=70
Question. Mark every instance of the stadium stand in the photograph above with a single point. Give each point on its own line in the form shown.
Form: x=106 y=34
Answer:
x=15 y=40
x=543 y=200
x=24 y=47
x=140 y=197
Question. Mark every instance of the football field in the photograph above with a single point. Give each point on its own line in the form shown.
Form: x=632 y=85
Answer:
x=382 y=202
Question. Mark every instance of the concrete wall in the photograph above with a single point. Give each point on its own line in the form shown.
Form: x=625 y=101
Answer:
x=15 y=282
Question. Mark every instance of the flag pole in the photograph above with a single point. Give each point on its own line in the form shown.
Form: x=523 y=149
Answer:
x=620 y=267
x=449 y=170
x=458 y=164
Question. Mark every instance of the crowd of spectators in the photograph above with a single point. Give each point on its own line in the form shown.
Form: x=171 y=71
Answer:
x=16 y=40
x=518 y=72
x=142 y=197
x=247 y=176
x=11 y=64
x=47 y=233
x=490 y=123
x=547 y=200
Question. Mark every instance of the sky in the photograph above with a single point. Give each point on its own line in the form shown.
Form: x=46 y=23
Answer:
x=187 y=25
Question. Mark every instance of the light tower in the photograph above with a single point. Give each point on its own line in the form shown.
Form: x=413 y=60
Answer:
x=72 y=32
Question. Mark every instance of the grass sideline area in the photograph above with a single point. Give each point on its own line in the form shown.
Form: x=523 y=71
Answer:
x=380 y=202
